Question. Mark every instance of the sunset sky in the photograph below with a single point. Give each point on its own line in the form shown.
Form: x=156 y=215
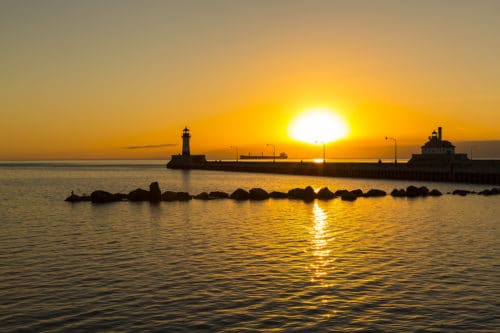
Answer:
x=87 y=79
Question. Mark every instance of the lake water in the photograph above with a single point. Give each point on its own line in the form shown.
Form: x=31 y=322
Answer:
x=376 y=264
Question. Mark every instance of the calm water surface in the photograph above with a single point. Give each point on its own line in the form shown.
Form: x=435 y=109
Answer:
x=378 y=264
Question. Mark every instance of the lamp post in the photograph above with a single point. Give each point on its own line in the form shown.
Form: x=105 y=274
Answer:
x=324 y=152
x=274 y=151
x=236 y=148
x=395 y=148
x=324 y=149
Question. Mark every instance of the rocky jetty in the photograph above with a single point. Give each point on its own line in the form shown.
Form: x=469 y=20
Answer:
x=306 y=194
x=413 y=192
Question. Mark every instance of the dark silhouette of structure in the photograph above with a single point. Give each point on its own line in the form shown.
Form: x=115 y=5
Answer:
x=186 y=159
x=437 y=151
x=438 y=162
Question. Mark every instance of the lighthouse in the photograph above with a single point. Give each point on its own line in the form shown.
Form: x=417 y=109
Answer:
x=186 y=160
x=185 y=142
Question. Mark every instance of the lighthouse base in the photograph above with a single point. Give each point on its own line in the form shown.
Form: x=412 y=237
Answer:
x=185 y=161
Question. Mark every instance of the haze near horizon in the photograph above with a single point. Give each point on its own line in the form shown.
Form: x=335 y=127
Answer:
x=103 y=79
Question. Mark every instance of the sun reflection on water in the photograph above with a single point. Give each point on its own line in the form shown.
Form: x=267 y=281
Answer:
x=320 y=250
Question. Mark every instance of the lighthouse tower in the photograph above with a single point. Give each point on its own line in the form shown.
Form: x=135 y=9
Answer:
x=185 y=142
x=186 y=160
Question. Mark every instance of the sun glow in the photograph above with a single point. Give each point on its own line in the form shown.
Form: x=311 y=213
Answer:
x=318 y=126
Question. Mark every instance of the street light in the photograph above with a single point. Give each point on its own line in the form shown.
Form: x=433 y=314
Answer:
x=324 y=149
x=395 y=148
x=274 y=150
x=236 y=148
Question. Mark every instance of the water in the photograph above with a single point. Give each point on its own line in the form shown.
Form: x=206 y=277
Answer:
x=376 y=264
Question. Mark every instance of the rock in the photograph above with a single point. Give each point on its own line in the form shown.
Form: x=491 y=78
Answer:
x=435 y=193
x=155 y=193
x=202 y=196
x=77 y=198
x=240 y=194
x=184 y=196
x=139 y=195
x=412 y=191
x=169 y=196
x=102 y=197
x=309 y=194
x=325 y=194
x=348 y=196
x=218 y=195
x=120 y=196
x=375 y=193
x=306 y=194
x=258 y=194
x=398 y=193
x=493 y=191
x=339 y=193
x=424 y=191
x=357 y=192
x=296 y=193
x=461 y=192
x=278 y=195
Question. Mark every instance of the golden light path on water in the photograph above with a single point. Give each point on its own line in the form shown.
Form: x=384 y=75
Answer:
x=321 y=252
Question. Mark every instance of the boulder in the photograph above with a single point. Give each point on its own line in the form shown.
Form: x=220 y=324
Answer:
x=309 y=194
x=139 y=195
x=412 y=191
x=218 y=195
x=325 y=194
x=120 y=196
x=493 y=191
x=398 y=193
x=424 y=191
x=155 y=193
x=435 y=193
x=169 y=196
x=240 y=194
x=258 y=194
x=375 y=193
x=349 y=196
x=339 y=193
x=357 y=192
x=296 y=193
x=306 y=194
x=461 y=192
x=202 y=196
x=278 y=195
x=102 y=197
x=77 y=198
x=184 y=196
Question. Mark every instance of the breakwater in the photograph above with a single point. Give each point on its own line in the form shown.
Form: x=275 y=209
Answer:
x=307 y=194
x=479 y=172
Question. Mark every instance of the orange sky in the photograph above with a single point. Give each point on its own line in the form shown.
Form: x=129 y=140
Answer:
x=88 y=79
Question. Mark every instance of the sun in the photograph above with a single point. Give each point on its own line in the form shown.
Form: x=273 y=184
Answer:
x=318 y=126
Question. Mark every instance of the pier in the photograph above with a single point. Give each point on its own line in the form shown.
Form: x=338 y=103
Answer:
x=438 y=162
x=475 y=171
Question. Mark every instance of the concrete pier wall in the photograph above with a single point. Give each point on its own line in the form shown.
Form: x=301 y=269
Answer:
x=480 y=172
